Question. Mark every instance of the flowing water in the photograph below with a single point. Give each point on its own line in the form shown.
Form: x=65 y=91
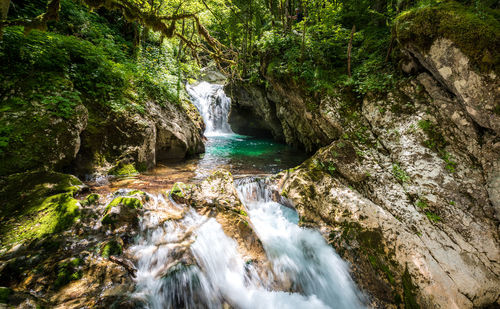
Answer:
x=189 y=262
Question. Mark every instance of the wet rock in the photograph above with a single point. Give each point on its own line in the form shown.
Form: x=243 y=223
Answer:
x=128 y=142
x=217 y=197
x=283 y=109
x=122 y=212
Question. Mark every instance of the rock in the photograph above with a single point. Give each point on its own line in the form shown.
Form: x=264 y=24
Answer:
x=251 y=112
x=51 y=142
x=478 y=93
x=133 y=142
x=285 y=111
x=91 y=199
x=212 y=75
x=44 y=206
x=406 y=201
x=122 y=212
x=217 y=197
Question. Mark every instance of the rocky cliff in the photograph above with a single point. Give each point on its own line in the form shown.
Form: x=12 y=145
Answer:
x=407 y=186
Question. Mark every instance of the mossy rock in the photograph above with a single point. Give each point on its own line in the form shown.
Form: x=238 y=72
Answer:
x=121 y=210
x=67 y=271
x=40 y=123
x=91 y=199
x=112 y=247
x=141 y=194
x=475 y=33
x=179 y=192
x=4 y=295
x=122 y=169
x=37 y=204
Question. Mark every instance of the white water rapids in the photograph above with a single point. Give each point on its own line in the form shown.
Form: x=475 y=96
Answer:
x=190 y=262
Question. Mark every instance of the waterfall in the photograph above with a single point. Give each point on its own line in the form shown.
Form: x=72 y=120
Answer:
x=185 y=260
x=192 y=263
x=213 y=105
x=299 y=255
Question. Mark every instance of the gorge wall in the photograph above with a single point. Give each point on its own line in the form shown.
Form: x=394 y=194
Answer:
x=406 y=185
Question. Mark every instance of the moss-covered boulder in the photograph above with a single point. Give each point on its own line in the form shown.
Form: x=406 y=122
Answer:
x=40 y=125
x=91 y=199
x=123 y=169
x=68 y=270
x=121 y=211
x=35 y=204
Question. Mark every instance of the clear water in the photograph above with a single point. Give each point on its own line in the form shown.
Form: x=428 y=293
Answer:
x=247 y=155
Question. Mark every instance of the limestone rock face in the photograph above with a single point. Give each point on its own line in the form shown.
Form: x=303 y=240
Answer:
x=408 y=203
x=409 y=193
x=478 y=93
x=284 y=111
x=161 y=132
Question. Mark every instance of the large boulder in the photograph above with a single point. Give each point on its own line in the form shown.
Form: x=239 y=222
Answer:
x=34 y=136
x=139 y=140
x=217 y=197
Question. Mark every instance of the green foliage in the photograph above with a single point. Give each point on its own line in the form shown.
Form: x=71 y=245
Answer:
x=422 y=204
x=475 y=30
x=4 y=295
x=399 y=173
x=432 y=216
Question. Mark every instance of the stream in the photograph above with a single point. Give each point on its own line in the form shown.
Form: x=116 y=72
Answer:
x=191 y=263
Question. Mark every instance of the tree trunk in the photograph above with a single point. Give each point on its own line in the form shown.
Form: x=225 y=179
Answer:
x=4 y=8
x=349 y=48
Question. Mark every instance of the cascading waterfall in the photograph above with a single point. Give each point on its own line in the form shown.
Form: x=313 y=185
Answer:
x=190 y=262
x=298 y=254
x=213 y=105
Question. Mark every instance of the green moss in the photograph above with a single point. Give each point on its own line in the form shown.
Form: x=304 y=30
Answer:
x=432 y=216
x=422 y=204
x=139 y=193
x=399 y=173
x=37 y=204
x=409 y=298
x=110 y=248
x=4 y=295
x=130 y=202
x=122 y=169
x=475 y=33
x=179 y=189
x=91 y=199
x=68 y=271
